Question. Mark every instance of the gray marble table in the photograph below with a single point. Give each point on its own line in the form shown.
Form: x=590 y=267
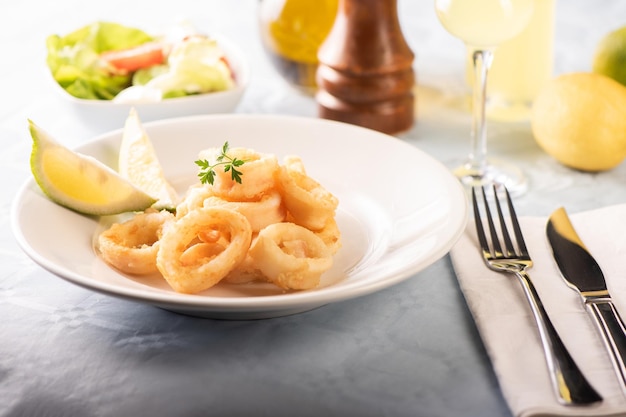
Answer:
x=410 y=350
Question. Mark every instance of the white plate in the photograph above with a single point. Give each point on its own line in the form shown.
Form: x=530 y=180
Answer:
x=399 y=211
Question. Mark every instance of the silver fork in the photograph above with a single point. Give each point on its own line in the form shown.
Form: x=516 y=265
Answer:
x=570 y=385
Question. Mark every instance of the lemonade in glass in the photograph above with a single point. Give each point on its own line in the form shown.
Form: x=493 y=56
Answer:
x=521 y=67
x=483 y=25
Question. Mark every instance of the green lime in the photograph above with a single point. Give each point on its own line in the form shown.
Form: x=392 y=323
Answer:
x=610 y=56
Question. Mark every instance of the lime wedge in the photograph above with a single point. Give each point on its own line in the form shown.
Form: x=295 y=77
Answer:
x=80 y=182
x=138 y=163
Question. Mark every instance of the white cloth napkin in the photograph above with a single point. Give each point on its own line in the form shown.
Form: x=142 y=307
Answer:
x=506 y=325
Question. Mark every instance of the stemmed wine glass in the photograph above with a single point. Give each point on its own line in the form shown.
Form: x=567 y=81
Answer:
x=483 y=25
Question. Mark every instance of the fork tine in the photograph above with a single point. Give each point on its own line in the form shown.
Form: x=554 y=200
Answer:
x=516 y=228
x=510 y=249
x=482 y=239
x=495 y=241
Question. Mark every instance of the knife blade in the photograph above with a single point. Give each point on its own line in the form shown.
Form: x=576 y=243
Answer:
x=582 y=273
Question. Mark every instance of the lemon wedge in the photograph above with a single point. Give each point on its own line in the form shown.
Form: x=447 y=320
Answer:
x=81 y=182
x=138 y=163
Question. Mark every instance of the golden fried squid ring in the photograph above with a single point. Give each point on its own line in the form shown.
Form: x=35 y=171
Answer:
x=245 y=273
x=257 y=177
x=307 y=201
x=268 y=210
x=132 y=246
x=194 y=199
x=290 y=256
x=331 y=235
x=201 y=248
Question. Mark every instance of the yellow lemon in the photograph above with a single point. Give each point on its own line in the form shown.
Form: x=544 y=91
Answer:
x=610 y=56
x=580 y=120
x=138 y=163
x=80 y=182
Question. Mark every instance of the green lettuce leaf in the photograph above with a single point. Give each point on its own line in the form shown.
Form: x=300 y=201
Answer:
x=195 y=66
x=74 y=62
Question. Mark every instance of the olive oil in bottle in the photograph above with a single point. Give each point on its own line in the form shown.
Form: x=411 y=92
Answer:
x=292 y=32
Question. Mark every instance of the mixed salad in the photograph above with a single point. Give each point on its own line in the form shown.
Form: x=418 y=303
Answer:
x=110 y=61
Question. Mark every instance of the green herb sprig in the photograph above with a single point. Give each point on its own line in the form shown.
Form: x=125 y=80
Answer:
x=207 y=170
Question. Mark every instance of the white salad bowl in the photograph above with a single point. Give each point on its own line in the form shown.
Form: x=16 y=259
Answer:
x=105 y=115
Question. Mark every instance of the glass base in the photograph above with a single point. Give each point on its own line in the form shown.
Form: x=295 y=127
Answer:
x=494 y=172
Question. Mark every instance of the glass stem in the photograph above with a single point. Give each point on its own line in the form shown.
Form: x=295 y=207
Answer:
x=481 y=59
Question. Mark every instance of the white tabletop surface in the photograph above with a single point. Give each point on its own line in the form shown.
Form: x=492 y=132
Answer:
x=410 y=350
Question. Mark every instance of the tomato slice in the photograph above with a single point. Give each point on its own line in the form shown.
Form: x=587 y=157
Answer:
x=132 y=59
x=230 y=68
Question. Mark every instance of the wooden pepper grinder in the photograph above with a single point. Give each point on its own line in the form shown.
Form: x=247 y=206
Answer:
x=365 y=74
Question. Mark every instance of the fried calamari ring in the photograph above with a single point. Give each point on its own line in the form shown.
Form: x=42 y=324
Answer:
x=245 y=273
x=331 y=235
x=201 y=248
x=290 y=256
x=194 y=199
x=132 y=246
x=268 y=210
x=258 y=172
x=307 y=201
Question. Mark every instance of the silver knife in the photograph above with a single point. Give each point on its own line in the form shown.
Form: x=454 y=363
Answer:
x=582 y=273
